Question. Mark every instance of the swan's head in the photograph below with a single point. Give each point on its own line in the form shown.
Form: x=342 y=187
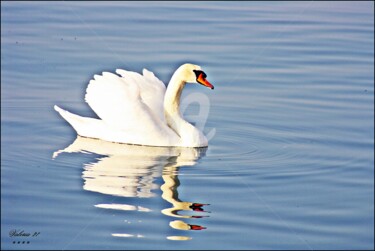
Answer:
x=194 y=74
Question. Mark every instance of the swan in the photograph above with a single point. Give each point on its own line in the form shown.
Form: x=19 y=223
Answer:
x=139 y=109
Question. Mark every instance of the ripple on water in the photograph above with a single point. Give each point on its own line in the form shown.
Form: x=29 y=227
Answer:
x=242 y=142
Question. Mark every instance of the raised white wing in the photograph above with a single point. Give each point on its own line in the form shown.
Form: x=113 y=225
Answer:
x=132 y=102
x=151 y=89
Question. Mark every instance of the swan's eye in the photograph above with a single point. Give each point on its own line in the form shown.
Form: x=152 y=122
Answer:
x=198 y=73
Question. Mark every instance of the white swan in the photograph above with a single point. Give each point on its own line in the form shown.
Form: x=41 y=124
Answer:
x=138 y=109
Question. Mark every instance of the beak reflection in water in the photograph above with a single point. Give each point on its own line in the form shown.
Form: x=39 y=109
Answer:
x=131 y=170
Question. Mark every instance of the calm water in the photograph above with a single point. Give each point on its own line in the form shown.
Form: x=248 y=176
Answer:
x=290 y=164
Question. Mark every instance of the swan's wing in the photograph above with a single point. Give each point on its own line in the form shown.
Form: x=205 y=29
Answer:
x=119 y=103
x=151 y=89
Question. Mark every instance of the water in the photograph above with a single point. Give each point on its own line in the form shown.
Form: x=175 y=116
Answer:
x=290 y=164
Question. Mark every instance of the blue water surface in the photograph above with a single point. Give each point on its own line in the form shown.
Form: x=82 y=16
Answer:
x=290 y=161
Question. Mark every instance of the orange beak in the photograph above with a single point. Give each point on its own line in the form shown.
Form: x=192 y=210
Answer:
x=204 y=82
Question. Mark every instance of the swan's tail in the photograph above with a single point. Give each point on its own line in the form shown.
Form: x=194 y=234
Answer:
x=62 y=112
x=83 y=126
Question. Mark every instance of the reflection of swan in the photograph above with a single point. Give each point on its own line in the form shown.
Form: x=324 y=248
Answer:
x=131 y=170
x=170 y=194
x=132 y=111
x=177 y=224
x=128 y=170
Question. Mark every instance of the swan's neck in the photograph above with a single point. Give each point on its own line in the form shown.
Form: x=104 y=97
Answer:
x=172 y=103
x=173 y=95
x=189 y=135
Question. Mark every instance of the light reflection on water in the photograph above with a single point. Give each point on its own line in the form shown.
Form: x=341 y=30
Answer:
x=130 y=171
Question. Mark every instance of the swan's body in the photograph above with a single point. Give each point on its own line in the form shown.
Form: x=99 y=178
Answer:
x=138 y=109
